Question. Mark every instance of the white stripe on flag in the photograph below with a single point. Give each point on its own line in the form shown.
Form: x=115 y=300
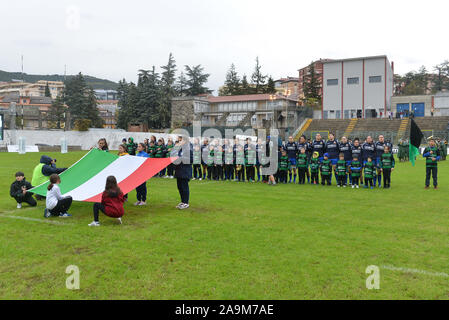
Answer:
x=120 y=168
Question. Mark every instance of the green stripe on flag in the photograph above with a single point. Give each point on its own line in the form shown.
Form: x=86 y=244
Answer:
x=413 y=152
x=90 y=165
x=416 y=137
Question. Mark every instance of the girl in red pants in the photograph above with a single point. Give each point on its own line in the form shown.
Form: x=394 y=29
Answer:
x=111 y=202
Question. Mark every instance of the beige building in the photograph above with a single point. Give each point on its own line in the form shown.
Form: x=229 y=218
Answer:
x=108 y=111
x=31 y=89
x=287 y=86
x=31 y=112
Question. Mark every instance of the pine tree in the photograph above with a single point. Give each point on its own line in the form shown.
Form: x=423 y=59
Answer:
x=56 y=112
x=148 y=99
x=270 y=87
x=422 y=80
x=123 y=104
x=232 y=82
x=167 y=91
x=311 y=87
x=441 y=80
x=257 y=78
x=80 y=99
x=196 y=80
x=92 y=110
x=133 y=114
x=47 y=91
x=181 y=85
x=245 y=88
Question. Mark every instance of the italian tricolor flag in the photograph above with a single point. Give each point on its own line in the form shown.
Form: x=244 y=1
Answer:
x=85 y=180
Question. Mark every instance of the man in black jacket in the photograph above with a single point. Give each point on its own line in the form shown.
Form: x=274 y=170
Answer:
x=183 y=169
x=19 y=191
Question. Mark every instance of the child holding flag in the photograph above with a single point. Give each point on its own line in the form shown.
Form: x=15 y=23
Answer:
x=142 y=189
x=111 y=204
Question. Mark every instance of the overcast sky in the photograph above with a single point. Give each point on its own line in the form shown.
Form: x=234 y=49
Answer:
x=113 y=39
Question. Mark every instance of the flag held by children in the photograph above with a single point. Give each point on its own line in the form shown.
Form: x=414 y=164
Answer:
x=85 y=180
x=416 y=137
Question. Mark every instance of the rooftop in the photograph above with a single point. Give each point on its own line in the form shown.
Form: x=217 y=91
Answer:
x=33 y=99
x=248 y=97
x=354 y=59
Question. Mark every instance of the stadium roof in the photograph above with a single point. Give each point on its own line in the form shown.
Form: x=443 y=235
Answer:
x=355 y=59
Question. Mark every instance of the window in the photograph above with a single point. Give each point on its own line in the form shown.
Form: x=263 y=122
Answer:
x=337 y=114
x=375 y=79
x=332 y=82
x=354 y=80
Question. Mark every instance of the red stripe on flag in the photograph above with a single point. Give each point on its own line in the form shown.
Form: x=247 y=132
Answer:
x=145 y=172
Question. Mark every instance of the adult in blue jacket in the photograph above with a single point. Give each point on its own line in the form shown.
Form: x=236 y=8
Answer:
x=332 y=148
x=318 y=145
x=183 y=169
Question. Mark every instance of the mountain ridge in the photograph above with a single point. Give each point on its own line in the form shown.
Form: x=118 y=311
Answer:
x=95 y=83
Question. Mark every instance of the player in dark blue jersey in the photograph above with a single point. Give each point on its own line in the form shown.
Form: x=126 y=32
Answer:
x=333 y=150
x=319 y=146
x=380 y=148
x=292 y=151
x=346 y=150
x=368 y=151
x=303 y=144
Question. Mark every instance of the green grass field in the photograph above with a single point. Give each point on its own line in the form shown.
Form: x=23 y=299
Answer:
x=237 y=241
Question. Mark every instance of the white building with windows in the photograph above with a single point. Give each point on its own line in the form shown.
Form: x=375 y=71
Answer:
x=356 y=88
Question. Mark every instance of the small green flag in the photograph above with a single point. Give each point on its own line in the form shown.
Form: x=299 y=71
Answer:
x=415 y=141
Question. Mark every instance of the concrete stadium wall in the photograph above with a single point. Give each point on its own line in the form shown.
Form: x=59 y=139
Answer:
x=85 y=140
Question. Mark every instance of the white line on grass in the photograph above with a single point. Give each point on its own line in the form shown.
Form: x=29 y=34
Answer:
x=33 y=219
x=5 y=214
x=409 y=270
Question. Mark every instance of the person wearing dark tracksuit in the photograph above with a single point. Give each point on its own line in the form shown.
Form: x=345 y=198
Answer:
x=183 y=170
x=302 y=144
x=432 y=155
x=142 y=189
x=368 y=151
x=19 y=191
x=333 y=150
x=345 y=148
x=380 y=146
x=387 y=166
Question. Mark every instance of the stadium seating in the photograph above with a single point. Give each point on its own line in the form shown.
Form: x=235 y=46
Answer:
x=392 y=129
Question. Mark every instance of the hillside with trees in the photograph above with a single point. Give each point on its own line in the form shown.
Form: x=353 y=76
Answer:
x=93 y=82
